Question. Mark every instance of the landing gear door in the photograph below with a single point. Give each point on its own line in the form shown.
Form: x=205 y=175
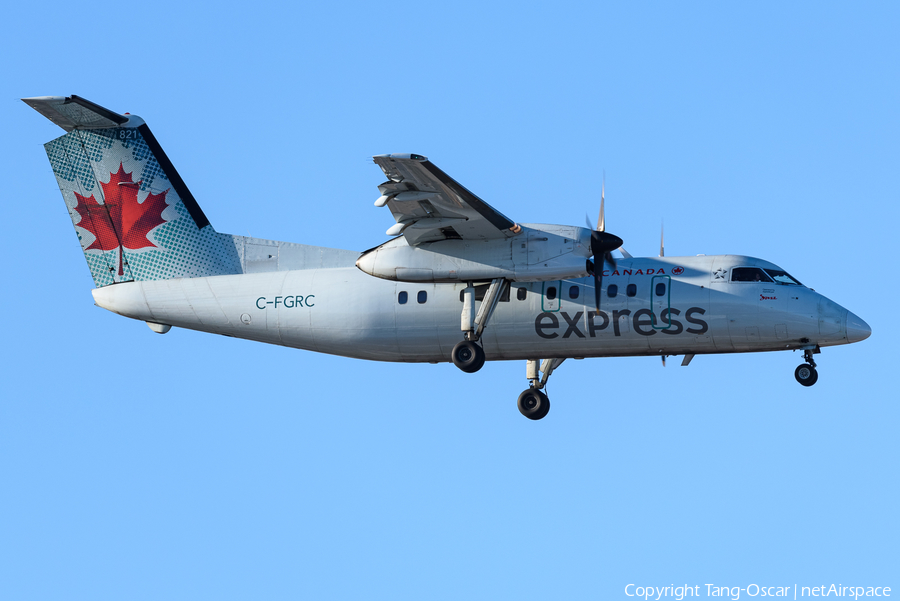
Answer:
x=661 y=301
x=550 y=296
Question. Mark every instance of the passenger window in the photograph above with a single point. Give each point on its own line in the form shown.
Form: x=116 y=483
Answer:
x=660 y=289
x=521 y=293
x=573 y=292
x=402 y=297
x=421 y=297
x=612 y=291
x=749 y=274
x=631 y=290
x=551 y=293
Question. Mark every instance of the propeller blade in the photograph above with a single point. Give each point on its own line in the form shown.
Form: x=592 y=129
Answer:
x=587 y=221
x=609 y=258
x=602 y=245
x=601 y=219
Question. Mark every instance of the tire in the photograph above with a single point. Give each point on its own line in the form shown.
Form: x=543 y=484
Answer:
x=806 y=374
x=468 y=356
x=534 y=404
x=481 y=358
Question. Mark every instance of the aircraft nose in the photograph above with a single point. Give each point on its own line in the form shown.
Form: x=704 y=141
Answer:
x=857 y=329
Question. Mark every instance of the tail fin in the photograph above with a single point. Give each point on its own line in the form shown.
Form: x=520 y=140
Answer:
x=134 y=216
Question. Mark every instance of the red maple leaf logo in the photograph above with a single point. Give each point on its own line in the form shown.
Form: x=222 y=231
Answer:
x=121 y=222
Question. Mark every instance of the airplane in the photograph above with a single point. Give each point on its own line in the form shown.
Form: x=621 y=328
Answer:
x=457 y=281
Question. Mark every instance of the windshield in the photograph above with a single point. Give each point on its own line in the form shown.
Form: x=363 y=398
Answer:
x=782 y=277
x=749 y=274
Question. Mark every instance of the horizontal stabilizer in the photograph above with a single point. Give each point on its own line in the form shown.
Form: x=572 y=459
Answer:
x=74 y=112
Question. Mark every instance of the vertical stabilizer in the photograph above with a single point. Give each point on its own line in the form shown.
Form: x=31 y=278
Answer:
x=134 y=215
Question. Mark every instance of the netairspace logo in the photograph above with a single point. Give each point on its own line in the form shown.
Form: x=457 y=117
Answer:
x=678 y=593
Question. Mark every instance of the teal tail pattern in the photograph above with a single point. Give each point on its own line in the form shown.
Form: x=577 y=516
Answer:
x=134 y=216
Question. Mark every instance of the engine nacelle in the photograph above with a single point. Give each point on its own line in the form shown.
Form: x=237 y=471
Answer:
x=538 y=253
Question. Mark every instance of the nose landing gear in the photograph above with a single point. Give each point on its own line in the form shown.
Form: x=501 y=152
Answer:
x=806 y=373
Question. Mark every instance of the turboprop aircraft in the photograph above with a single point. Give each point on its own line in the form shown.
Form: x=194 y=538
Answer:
x=457 y=281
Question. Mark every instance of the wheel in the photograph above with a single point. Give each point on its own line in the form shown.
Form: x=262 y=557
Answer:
x=468 y=356
x=534 y=404
x=806 y=374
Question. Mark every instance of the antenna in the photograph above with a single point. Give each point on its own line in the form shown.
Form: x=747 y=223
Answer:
x=662 y=238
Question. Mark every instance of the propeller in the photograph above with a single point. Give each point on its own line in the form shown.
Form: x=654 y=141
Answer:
x=602 y=245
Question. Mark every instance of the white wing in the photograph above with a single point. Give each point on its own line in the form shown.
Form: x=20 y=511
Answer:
x=429 y=205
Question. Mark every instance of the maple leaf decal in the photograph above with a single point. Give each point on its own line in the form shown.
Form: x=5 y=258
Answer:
x=121 y=222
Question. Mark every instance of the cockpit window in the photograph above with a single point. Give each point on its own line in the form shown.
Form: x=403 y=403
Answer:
x=749 y=274
x=782 y=277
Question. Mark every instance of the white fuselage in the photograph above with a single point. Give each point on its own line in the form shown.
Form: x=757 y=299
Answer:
x=343 y=311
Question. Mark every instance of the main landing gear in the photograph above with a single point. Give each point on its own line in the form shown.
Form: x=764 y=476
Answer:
x=533 y=403
x=468 y=355
x=806 y=373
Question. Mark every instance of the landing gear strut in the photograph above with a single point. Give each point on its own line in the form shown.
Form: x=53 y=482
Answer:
x=806 y=373
x=533 y=403
x=467 y=355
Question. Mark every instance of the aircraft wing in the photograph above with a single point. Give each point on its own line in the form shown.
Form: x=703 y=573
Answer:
x=429 y=205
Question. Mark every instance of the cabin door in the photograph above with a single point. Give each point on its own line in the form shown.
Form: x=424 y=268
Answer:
x=550 y=296
x=661 y=301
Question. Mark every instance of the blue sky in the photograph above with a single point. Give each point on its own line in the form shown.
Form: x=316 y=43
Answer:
x=188 y=466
